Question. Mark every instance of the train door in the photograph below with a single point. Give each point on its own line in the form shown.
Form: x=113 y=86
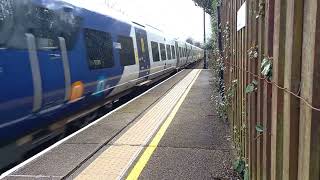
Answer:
x=51 y=74
x=48 y=54
x=143 y=52
x=177 y=54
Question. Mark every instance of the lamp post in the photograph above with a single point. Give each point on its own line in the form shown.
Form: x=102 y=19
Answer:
x=205 y=63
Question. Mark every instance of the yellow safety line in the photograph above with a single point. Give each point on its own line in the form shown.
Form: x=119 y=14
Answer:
x=136 y=171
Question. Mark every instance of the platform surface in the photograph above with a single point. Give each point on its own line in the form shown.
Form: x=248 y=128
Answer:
x=194 y=144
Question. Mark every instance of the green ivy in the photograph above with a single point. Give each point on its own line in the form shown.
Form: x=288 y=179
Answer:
x=239 y=166
x=253 y=52
x=259 y=128
x=266 y=67
x=246 y=174
x=251 y=87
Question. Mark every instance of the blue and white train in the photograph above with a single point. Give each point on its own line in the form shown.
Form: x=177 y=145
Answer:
x=63 y=59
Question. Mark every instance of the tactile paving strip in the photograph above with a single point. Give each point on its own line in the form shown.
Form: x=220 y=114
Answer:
x=115 y=161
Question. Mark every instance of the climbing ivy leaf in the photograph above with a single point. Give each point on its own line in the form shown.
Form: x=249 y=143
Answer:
x=259 y=128
x=246 y=174
x=239 y=166
x=249 y=88
x=266 y=69
x=255 y=82
x=264 y=62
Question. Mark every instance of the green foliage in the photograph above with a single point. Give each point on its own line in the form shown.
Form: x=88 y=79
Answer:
x=251 y=87
x=253 y=52
x=266 y=67
x=246 y=174
x=259 y=128
x=255 y=83
x=206 y=4
x=239 y=166
x=210 y=44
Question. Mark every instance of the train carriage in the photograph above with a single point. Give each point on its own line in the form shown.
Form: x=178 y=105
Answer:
x=61 y=60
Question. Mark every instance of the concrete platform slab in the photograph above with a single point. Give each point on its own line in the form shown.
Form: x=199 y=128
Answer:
x=56 y=163
x=187 y=163
x=195 y=146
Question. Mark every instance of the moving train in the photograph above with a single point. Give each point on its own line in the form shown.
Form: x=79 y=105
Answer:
x=63 y=59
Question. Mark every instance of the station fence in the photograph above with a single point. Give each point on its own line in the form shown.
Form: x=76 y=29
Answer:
x=272 y=80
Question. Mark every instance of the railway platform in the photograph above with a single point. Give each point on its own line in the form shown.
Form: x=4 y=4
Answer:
x=169 y=132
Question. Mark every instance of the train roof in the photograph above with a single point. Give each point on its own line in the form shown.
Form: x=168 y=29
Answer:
x=102 y=9
x=99 y=8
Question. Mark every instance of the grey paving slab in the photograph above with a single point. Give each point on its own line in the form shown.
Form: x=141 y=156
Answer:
x=196 y=123
x=104 y=130
x=187 y=163
x=58 y=162
x=195 y=145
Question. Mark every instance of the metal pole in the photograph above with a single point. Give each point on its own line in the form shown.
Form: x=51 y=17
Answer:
x=204 y=39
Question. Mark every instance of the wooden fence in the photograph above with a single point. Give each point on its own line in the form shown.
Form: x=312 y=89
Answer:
x=272 y=74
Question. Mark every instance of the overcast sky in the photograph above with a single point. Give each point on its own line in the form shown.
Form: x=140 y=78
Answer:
x=180 y=18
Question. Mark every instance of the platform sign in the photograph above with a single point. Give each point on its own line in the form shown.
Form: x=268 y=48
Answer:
x=242 y=16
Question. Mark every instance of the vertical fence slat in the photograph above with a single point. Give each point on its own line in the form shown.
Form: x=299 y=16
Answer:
x=277 y=95
x=292 y=82
x=254 y=97
x=261 y=29
x=249 y=79
x=267 y=93
x=237 y=77
x=246 y=75
x=309 y=148
x=241 y=87
x=234 y=47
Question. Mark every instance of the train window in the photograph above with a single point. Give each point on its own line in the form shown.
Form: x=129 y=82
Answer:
x=99 y=49
x=45 y=24
x=168 y=52
x=127 y=57
x=48 y=25
x=173 y=52
x=163 y=52
x=44 y=28
x=180 y=52
x=155 y=51
x=71 y=27
x=6 y=21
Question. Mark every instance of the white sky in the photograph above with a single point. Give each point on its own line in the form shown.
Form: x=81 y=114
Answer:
x=180 y=18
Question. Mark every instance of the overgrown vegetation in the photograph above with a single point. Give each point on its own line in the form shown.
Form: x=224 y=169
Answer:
x=223 y=97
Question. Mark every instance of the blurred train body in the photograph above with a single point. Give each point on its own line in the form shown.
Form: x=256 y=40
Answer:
x=60 y=60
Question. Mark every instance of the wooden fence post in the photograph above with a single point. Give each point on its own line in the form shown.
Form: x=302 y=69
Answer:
x=277 y=95
x=267 y=90
x=261 y=29
x=309 y=147
x=292 y=82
